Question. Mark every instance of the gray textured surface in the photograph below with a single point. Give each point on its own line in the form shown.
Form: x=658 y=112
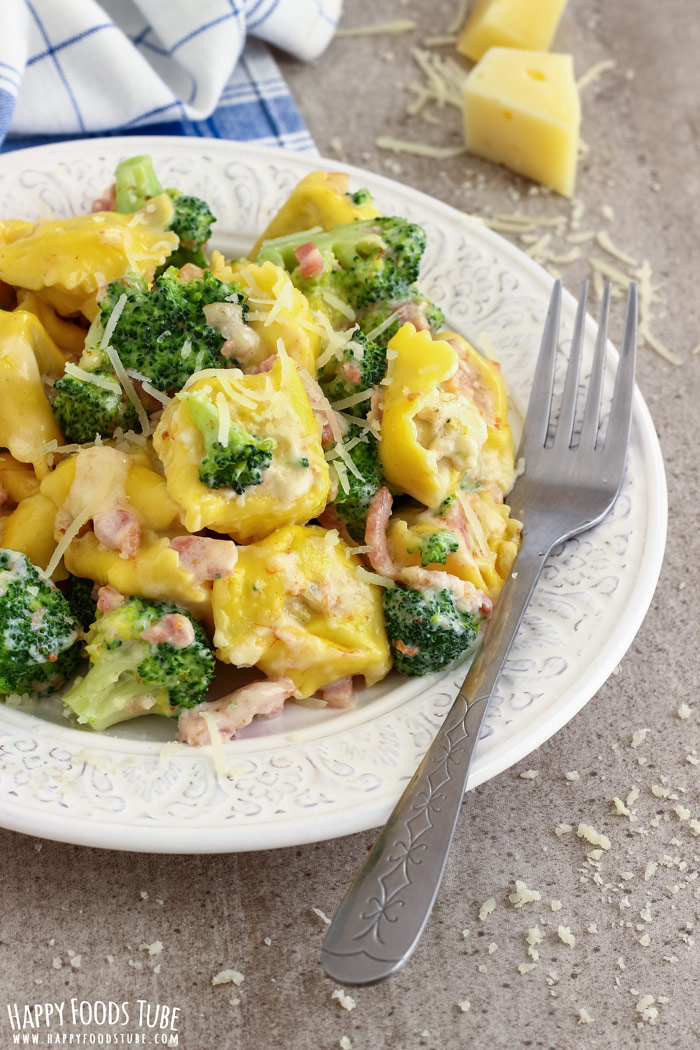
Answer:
x=215 y=912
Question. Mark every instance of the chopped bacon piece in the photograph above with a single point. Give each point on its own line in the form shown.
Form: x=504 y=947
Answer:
x=190 y=272
x=352 y=372
x=412 y=313
x=407 y=650
x=340 y=694
x=205 y=558
x=263 y=699
x=118 y=530
x=262 y=366
x=109 y=598
x=173 y=628
x=375 y=535
x=310 y=259
x=107 y=201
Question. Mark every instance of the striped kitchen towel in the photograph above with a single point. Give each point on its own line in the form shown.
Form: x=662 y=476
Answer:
x=177 y=67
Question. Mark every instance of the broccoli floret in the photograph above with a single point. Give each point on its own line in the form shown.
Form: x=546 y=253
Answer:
x=83 y=409
x=363 y=261
x=130 y=676
x=380 y=312
x=352 y=506
x=362 y=367
x=162 y=332
x=362 y=196
x=192 y=223
x=446 y=504
x=136 y=182
x=426 y=631
x=83 y=606
x=435 y=546
x=37 y=629
x=236 y=464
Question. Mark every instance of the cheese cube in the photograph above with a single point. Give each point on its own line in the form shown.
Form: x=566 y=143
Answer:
x=510 y=23
x=521 y=109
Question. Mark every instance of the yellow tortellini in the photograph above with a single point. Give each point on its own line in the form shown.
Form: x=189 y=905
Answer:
x=430 y=436
x=68 y=336
x=27 y=423
x=319 y=199
x=103 y=246
x=30 y=529
x=296 y=608
x=272 y=405
x=487 y=539
x=482 y=381
x=278 y=310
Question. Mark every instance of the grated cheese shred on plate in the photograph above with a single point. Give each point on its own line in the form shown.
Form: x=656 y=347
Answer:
x=419 y=149
x=399 y=25
x=69 y=535
x=217 y=744
x=373 y=577
x=112 y=321
x=224 y=418
x=523 y=895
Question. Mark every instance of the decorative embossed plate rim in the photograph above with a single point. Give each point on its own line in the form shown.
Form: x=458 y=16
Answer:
x=309 y=776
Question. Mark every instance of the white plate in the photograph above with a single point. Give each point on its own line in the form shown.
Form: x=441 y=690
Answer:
x=313 y=775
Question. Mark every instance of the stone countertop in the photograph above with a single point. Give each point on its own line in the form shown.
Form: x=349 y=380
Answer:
x=76 y=921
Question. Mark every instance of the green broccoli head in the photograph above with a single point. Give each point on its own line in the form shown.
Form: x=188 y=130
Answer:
x=435 y=546
x=363 y=261
x=135 y=182
x=352 y=504
x=237 y=463
x=362 y=367
x=162 y=332
x=79 y=595
x=83 y=409
x=192 y=223
x=362 y=196
x=426 y=631
x=37 y=629
x=145 y=658
x=413 y=304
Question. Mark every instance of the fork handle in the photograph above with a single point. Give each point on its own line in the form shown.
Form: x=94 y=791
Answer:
x=383 y=914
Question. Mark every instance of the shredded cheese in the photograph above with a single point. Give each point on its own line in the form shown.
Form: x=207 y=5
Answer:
x=217 y=749
x=112 y=322
x=373 y=577
x=89 y=377
x=353 y=399
x=66 y=540
x=419 y=149
x=400 y=25
x=338 y=304
x=594 y=72
x=127 y=384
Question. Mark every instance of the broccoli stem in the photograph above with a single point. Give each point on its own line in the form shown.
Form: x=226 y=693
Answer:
x=135 y=182
x=111 y=691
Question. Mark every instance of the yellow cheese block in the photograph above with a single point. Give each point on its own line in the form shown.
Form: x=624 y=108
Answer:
x=510 y=23
x=521 y=109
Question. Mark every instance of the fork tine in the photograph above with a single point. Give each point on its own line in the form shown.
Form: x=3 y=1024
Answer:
x=591 y=412
x=537 y=418
x=618 y=432
x=567 y=412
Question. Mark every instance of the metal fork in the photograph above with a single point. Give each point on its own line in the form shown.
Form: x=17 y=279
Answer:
x=570 y=482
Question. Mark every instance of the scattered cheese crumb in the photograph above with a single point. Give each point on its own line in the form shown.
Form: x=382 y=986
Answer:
x=572 y=775
x=621 y=809
x=228 y=977
x=346 y=1001
x=486 y=908
x=593 y=928
x=322 y=916
x=464 y=1006
x=684 y=711
x=534 y=935
x=529 y=774
x=589 y=833
x=650 y=869
x=645 y=1008
x=345 y=1043
x=638 y=737
x=524 y=968
x=522 y=895
x=153 y=949
x=563 y=829
x=681 y=812
x=584 y=1017
x=566 y=936
x=493 y=947
x=556 y=905
x=57 y=962
x=694 y=826
x=646 y=913
x=267 y=940
x=621 y=962
x=645 y=940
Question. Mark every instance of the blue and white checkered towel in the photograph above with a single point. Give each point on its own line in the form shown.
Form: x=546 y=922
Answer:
x=191 y=67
